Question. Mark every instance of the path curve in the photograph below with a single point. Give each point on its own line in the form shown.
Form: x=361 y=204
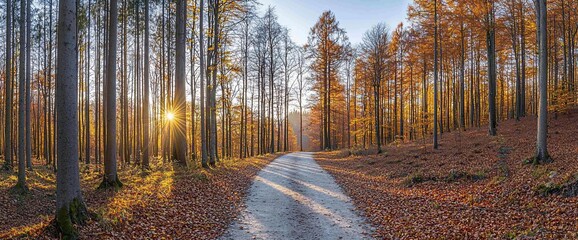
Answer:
x=294 y=198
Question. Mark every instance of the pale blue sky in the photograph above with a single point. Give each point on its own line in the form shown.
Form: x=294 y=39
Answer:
x=355 y=16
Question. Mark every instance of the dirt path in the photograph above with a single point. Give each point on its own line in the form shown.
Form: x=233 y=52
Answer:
x=294 y=198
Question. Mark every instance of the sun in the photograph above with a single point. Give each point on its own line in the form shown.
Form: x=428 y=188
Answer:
x=170 y=116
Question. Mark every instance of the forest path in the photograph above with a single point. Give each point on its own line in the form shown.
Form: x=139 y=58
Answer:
x=294 y=198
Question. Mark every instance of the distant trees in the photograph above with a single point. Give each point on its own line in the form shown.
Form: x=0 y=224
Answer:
x=375 y=47
x=326 y=49
x=301 y=70
x=479 y=49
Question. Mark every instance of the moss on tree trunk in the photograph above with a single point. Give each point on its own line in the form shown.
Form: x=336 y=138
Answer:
x=110 y=183
x=72 y=213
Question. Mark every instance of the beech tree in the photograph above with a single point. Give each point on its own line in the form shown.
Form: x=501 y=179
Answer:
x=179 y=102
x=204 y=147
x=435 y=83
x=70 y=206
x=110 y=177
x=542 y=155
x=8 y=91
x=21 y=184
x=146 y=89
x=490 y=23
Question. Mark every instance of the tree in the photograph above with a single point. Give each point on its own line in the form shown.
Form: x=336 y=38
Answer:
x=21 y=184
x=204 y=147
x=542 y=155
x=490 y=23
x=110 y=178
x=288 y=62
x=435 y=100
x=28 y=144
x=179 y=102
x=70 y=206
x=376 y=44
x=326 y=46
x=146 y=108
x=212 y=62
x=87 y=90
x=8 y=91
x=300 y=90
x=273 y=35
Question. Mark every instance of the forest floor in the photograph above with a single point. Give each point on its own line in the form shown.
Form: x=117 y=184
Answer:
x=474 y=186
x=168 y=202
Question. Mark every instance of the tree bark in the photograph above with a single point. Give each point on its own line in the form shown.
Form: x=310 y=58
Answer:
x=70 y=207
x=8 y=93
x=110 y=164
x=435 y=117
x=204 y=153
x=146 y=105
x=491 y=52
x=21 y=184
x=542 y=155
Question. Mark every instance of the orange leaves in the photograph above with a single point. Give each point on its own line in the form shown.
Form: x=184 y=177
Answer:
x=471 y=188
x=166 y=203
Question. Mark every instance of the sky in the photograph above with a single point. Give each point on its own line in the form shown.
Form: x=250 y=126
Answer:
x=355 y=16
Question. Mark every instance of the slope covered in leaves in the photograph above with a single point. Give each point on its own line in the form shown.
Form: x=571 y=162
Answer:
x=475 y=186
x=168 y=202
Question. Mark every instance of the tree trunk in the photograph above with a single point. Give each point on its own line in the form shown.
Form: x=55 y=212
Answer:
x=491 y=48
x=8 y=97
x=110 y=166
x=462 y=78
x=87 y=90
x=204 y=153
x=28 y=76
x=435 y=117
x=146 y=107
x=70 y=207
x=21 y=184
x=542 y=155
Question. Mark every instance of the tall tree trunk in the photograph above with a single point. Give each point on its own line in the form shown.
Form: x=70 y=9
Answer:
x=87 y=90
x=435 y=117
x=146 y=107
x=22 y=101
x=110 y=166
x=204 y=153
x=213 y=107
x=491 y=48
x=193 y=84
x=542 y=155
x=28 y=76
x=523 y=62
x=8 y=93
x=70 y=207
x=462 y=77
